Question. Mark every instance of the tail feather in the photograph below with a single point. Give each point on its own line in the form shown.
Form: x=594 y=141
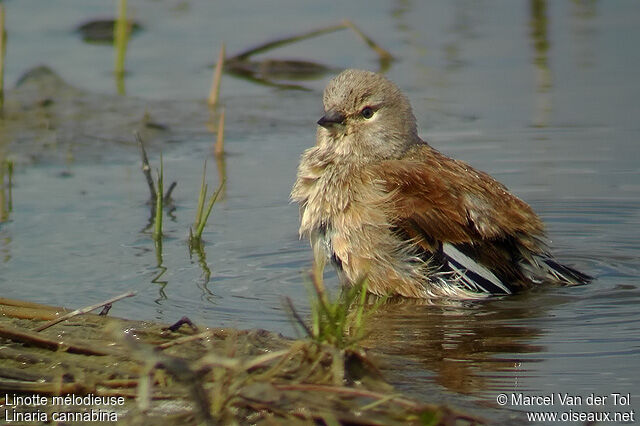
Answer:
x=535 y=268
x=565 y=274
x=542 y=268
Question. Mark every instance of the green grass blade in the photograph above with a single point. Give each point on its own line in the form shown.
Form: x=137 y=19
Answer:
x=361 y=304
x=205 y=217
x=201 y=196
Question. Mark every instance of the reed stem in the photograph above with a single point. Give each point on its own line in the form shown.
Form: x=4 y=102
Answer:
x=214 y=93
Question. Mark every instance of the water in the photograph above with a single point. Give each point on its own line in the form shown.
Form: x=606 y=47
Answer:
x=542 y=95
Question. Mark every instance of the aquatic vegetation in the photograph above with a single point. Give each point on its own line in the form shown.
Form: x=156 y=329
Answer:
x=339 y=321
x=202 y=212
x=157 y=201
x=331 y=321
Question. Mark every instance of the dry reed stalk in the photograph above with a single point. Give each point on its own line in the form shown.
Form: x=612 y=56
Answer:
x=38 y=340
x=384 y=55
x=27 y=313
x=217 y=76
x=32 y=305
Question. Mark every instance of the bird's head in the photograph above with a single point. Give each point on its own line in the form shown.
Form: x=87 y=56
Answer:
x=366 y=115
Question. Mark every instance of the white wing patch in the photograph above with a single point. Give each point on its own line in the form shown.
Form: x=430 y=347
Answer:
x=462 y=264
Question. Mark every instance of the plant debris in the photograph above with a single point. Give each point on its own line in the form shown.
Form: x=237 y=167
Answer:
x=188 y=376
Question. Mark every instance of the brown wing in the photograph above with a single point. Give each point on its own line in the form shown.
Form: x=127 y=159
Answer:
x=451 y=201
x=438 y=200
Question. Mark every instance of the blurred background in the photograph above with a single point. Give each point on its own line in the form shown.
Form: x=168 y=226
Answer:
x=542 y=95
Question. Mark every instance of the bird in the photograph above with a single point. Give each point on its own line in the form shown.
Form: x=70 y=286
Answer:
x=382 y=204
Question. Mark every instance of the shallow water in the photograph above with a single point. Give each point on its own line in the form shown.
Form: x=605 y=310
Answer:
x=542 y=95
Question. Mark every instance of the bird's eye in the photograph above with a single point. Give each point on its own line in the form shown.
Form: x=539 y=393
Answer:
x=367 y=112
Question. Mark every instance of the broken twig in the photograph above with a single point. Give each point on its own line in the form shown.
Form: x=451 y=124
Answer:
x=146 y=168
x=345 y=24
x=84 y=310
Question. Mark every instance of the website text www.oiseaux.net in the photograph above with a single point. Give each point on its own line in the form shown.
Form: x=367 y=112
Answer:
x=564 y=407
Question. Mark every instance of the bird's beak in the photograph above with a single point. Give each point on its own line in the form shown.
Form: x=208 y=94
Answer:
x=331 y=118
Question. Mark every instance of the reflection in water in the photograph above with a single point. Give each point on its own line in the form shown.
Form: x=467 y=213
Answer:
x=6 y=205
x=462 y=26
x=203 y=282
x=6 y=184
x=583 y=27
x=5 y=249
x=160 y=265
x=540 y=38
x=399 y=11
x=470 y=348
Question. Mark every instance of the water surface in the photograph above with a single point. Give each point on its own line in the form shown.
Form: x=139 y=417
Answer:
x=542 y=95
